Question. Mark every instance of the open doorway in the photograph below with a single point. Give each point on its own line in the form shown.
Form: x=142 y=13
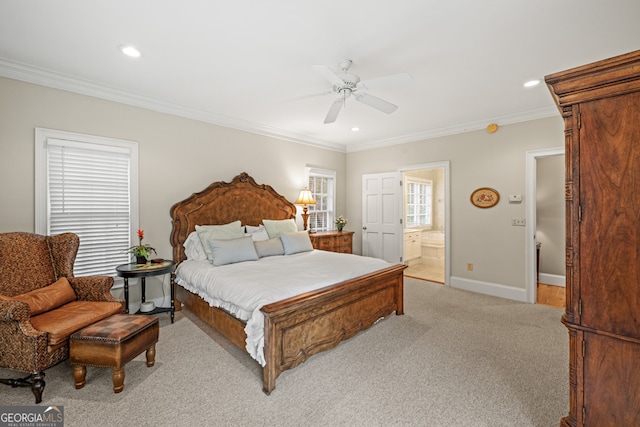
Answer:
x=425 y=221
x=545 y=226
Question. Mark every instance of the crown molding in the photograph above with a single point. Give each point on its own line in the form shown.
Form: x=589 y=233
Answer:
x=43 y=77
x=507 y=119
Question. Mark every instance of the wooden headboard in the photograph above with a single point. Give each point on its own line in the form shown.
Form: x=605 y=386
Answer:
x=224 y=202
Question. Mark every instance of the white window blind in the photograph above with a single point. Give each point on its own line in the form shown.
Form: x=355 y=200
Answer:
x=88 y=192
x=322 y=186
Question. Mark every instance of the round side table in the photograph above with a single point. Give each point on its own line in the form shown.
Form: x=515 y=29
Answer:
x=142 y=271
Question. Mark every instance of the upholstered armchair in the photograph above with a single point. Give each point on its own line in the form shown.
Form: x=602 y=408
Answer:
x=42 y=303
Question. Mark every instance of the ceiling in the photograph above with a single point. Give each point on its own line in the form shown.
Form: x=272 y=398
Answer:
x=248 y=64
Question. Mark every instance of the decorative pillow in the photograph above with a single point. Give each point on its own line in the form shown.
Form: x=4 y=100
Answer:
x=193 y=248
x=269 y=247
x=233 y=230
x=232 y=250
x=258 y=233
x=47 y=298
x=296 y=242
x=276 y=227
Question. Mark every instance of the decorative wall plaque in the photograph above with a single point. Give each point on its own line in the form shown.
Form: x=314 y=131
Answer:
x=485 y=197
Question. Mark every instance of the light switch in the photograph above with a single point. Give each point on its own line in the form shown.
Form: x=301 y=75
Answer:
x=515 y=198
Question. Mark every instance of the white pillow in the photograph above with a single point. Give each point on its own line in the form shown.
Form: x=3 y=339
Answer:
x=276 y=227
x=258 y=233
x=269 y=247
x=193 y=248
x=250 y=229
x=296 y=242
x=232 y=250
x=233 y=230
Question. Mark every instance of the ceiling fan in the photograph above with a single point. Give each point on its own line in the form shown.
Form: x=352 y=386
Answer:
x=346 y=84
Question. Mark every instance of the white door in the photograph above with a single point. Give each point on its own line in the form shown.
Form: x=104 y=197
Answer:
x=381 y=216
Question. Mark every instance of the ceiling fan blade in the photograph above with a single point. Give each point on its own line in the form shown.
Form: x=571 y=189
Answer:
x=309 y=95
x=387 y=81
x=334 y=110
x=326 y=72
x=375 y=102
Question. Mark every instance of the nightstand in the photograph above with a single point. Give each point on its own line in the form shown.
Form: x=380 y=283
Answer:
x=333 y=241
x=142 y=271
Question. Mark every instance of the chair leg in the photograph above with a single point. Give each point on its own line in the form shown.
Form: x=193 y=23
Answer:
x=35 y=381
x=37 y=387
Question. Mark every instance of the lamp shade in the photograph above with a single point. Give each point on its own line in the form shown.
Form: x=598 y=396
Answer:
x=305 y=198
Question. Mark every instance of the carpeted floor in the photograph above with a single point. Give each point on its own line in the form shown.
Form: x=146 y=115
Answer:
x=454 y=359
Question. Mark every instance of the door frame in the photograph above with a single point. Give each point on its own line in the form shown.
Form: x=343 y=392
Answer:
x=447 y=210
x=530 y=215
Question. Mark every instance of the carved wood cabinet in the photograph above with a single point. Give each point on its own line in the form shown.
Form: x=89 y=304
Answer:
x=600 y=104
x=334 y=241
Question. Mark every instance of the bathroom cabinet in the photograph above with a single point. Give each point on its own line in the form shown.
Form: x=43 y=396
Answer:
x=412 y=245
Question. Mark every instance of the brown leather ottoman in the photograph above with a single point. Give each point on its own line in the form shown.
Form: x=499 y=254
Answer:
x=112 y=343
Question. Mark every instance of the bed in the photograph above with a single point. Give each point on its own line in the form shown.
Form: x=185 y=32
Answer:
x=297 y=327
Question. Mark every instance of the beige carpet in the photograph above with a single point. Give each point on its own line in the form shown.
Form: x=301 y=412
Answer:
x=454 y=359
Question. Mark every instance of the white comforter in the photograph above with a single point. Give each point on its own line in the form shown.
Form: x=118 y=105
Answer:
x=243 y=288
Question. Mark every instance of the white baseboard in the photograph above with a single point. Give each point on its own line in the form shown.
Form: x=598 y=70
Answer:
x=487 y=288
x=552 y=279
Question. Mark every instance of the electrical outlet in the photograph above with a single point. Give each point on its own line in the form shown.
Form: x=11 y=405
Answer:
x=470 y=267
x=518 y=222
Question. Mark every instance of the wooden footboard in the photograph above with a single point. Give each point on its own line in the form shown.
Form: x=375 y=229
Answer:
x=301 y=326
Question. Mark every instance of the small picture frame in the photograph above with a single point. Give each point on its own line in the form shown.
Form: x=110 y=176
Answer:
x=485 y=197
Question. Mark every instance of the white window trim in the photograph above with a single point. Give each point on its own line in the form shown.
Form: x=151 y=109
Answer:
x=42 y=135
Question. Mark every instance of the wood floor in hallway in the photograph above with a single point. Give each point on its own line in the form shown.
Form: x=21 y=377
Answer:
x=551 y=295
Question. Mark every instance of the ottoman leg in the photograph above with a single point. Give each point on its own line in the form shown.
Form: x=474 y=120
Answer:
x=151 y=355
x=118 y=379
x=79 y=373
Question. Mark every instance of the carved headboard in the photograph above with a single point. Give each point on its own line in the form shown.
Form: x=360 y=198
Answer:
x=224 y=202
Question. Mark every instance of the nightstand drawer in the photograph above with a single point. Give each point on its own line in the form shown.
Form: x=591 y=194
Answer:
x=325 y=243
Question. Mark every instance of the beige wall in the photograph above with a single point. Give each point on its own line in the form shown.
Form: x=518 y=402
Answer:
x=180 y=156
x=550 y=221
x=484 y=237
x=177 y=156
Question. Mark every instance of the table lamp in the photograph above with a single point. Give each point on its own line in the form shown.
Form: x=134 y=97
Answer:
x=305 y=198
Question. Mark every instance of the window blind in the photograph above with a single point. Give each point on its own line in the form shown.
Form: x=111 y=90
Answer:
x=322 y=186
x=89 y=195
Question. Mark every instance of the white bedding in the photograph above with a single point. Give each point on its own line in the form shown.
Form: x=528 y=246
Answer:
x=243 y=288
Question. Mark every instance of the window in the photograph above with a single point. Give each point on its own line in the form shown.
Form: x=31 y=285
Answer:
x=419 y=194
x=87 y=185
x=322 y=184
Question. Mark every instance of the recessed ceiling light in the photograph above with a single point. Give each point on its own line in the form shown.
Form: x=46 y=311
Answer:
x=130 y=51
x=355 y=129
x=532 y=83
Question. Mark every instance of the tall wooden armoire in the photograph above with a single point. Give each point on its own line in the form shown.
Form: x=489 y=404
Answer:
x=600 y=104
